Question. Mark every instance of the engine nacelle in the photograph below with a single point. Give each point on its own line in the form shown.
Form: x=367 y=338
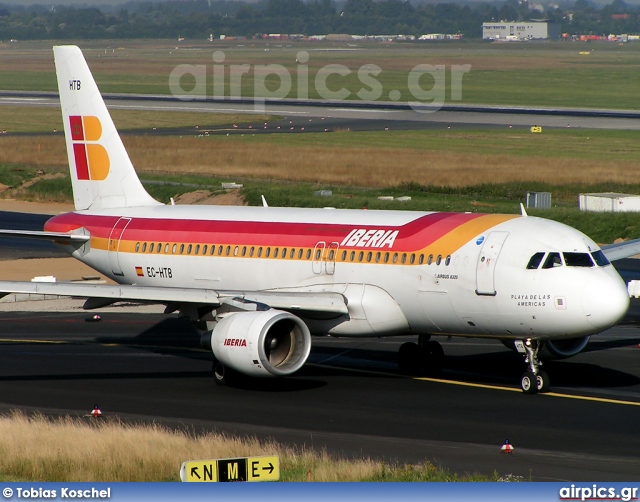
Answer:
x=562 y=348
x=269 y=343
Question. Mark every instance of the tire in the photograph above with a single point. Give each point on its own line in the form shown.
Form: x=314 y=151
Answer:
x=221 y=374
x=435 y=358
x=528 y=383
x=410 y=359
x=542 y=381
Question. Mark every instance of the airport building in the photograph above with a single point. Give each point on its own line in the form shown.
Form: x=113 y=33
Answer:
x=524 y=30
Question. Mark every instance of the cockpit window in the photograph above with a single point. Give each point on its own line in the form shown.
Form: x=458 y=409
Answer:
x=553 y=260
x=578 y=259
x=535 y=260
x=600 y=258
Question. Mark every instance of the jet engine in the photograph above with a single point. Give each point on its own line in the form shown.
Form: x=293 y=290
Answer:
x=561 y=348
x=269 y=343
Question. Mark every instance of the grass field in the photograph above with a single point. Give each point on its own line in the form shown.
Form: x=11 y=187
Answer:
x=31 y=119
x=73 y=449
x=526 y=74
x=375 y=159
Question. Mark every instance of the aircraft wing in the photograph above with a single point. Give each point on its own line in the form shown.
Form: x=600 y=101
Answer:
x=615 y=252
x=100 y=295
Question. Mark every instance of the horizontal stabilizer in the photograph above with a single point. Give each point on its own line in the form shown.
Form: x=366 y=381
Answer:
x=51 y=236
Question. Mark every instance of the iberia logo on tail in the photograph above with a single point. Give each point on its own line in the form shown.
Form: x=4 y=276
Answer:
x=92 y=160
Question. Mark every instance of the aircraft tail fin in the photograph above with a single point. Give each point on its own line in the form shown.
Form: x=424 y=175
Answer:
x=102 y=175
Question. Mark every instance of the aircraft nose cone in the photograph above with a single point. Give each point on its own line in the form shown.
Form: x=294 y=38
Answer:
x=605 y=301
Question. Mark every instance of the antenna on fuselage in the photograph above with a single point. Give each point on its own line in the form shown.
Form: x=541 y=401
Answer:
x=264 y=201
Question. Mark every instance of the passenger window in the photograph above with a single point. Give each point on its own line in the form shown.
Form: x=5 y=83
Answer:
x=244 y=250
x=421 y=259
x=292 y=253
x=412 y=259
x=404 y=258
x=553 y=260
x=197 y=249
x=430 y=259
x=175 y=247
x=220 y=250
x=267 y=253
x=151 y=248
x=181 y=248
x=299 y=254
x=137 y=247
x=236 y=250
x=166 y=248
x=204 y=250
x=344 y=255
x=332 y=254
x=189 y=249
x=259 y=251
x=228 y=250
x=578 y=259
x=360 y=256
x=251 y=251
x=395 y=257
x=308 y=254
x=386 y=257
x=600 y=258
x=369 y=255
x=439 y=259
x=144 y=247
x=317 y=254
x=535 y=260
x=159 y=247
x=284 y=252
x=353 y=256
x=448 y=260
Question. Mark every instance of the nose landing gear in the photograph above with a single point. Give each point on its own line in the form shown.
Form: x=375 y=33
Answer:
x=534 y=379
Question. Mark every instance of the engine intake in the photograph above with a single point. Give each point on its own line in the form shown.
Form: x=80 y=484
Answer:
x=271 y=343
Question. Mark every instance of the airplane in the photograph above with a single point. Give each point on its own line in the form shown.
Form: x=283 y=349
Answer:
x=260 y=281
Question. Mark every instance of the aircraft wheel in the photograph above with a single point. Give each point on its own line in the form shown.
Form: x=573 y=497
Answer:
x=528 y=383
x=410 y=358
x=435 y=358
x=542 y=381
x=221 y=374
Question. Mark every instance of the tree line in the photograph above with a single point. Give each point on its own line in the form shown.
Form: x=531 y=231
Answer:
x=199 y=18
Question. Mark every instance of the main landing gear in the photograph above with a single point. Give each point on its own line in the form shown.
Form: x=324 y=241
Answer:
x=534 y=379
x=423 y=358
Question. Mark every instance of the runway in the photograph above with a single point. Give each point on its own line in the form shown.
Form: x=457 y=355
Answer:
x=356 y=116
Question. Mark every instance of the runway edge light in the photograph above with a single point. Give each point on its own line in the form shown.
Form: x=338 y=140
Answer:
x=266 y=468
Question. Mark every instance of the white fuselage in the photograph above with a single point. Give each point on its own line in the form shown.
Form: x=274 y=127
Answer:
x=401 y=272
